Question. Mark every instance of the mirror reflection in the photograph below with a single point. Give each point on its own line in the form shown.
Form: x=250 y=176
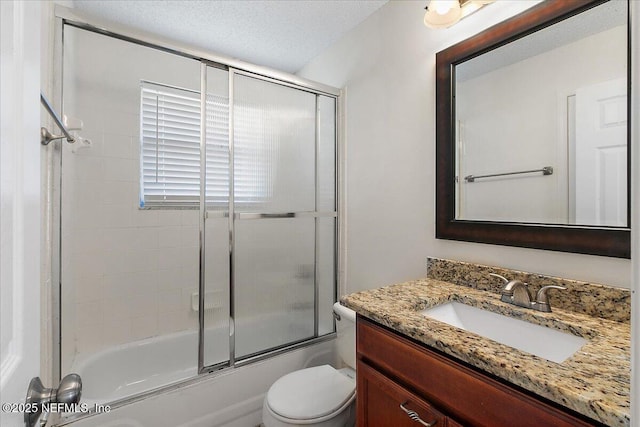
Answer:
x=541 y=125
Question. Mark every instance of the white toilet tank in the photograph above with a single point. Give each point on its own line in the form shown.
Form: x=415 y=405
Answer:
x=346 y=330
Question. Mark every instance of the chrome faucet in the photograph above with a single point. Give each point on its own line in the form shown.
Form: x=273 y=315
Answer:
x=515 y=292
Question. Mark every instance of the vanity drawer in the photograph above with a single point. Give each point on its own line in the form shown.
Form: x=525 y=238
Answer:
x=458 y=391
x=381 y=401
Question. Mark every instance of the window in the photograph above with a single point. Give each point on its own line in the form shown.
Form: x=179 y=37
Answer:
x=170 y=146
x=170 y=151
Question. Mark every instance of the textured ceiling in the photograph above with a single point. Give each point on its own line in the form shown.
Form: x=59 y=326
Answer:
x=281 y=34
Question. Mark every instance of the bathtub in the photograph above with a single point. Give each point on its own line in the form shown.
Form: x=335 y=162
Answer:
x=123 y=371
x=232 y=397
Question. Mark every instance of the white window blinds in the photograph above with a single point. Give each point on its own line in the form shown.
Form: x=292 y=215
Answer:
x=170 y=148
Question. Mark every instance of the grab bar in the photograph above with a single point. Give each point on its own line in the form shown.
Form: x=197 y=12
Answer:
x=45 y=136
x=547 y=170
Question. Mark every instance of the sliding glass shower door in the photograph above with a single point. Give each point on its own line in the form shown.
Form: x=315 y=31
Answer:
x=199 y=213
x=274 y=193
x=281 y=212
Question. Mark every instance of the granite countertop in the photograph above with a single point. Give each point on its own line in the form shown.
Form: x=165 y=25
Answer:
x=595 y=381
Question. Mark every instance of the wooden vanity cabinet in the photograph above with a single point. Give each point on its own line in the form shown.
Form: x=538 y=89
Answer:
x=380 y=402
x=393 y=370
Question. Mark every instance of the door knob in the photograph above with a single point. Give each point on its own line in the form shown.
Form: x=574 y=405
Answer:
x=68 y=392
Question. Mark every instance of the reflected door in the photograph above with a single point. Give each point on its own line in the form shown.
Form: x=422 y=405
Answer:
x=601 y=154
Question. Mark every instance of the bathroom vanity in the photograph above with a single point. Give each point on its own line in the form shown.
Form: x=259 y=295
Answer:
x=393 y=370
x=446 y=376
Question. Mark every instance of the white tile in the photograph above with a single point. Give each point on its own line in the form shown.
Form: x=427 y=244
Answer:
x=131 y=239
x=89 y=339
x=144 y=282
x=89 y=289
x=144 y=217
x=170 y=258
x=116 y=238
x=190 y=236
x=169 y=301
x=83 y=218
x=135 y=148
x=190 y=217
x=169 y=278
x=86 y=263
x=118 y=261
x=117 y=145
x=85 y=192
x=122 y=121
x=169 y=237
x=120 y=169
x=143 y=305
x=117 y=215
x=190 y=276
x=117 y=331
x=88 y=168
x=171 y=322
x=190 y=258
x=89 y=314
x=144 y=327
x=120 y=192
x=144 y=260
x=90 y=239
x=169 y=217
x=146 y=238
x=117 y=284
x=117 y=308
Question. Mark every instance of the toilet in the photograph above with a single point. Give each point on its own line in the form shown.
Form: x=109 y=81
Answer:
x=321 y=396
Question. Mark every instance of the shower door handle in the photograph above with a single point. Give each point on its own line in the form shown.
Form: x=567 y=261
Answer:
x=68 y=393
x=307 y=214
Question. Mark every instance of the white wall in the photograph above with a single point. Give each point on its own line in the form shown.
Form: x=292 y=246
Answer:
x=635 y=226
x=387 y=65
x=527 y=101
x=19 y=203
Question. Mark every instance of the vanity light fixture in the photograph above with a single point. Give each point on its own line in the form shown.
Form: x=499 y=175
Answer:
x=445 y=13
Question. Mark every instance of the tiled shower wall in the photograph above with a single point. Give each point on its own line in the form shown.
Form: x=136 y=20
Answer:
x=127 y=273
x=130 y=274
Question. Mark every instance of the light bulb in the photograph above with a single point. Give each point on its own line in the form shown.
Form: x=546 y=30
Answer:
x=442 y=7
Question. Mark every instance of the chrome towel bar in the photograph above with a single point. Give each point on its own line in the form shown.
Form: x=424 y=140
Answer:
x=547 y=170
x=45 y=136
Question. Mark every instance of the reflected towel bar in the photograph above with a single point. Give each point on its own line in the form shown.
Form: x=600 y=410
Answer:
x=45 y=136
x=547 y=170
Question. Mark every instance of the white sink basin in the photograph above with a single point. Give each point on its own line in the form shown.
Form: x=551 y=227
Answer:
x=548 y=343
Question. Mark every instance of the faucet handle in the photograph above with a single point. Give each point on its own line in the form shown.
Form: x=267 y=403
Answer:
x=542 y=299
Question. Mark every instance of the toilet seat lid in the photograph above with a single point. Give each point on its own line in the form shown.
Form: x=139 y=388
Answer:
x=310 y=393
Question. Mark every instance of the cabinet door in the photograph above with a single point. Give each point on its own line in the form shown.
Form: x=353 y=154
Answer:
x=381 y=401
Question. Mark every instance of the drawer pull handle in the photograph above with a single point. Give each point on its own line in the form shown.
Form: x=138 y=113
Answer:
x=415 y=417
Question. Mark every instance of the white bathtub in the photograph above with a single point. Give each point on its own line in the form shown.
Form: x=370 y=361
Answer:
x=229 y=398
x=133 y=368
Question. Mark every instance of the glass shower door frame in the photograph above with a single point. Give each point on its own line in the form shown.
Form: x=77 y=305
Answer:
x=66 y=16
x=234 y=216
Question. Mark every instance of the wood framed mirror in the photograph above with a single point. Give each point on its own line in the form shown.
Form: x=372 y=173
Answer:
x=533 y=197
